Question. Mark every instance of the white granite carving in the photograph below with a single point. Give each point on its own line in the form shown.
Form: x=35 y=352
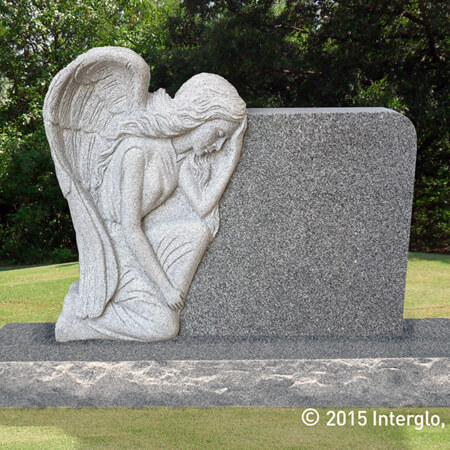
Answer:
x=143 y=174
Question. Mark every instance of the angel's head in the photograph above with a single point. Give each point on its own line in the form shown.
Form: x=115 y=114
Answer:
x=211 y=109
x=204 y=113
x=202 y=116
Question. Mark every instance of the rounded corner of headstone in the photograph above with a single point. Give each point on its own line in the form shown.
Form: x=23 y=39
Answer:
x=408 y=126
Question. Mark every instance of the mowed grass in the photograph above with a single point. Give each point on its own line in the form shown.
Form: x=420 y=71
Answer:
x=36 y=294
x=212 y=428
x=427 y=286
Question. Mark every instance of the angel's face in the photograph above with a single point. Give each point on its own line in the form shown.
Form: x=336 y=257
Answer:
x=211 y=136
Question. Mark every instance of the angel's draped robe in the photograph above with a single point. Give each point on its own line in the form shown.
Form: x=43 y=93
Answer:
x=137 y=310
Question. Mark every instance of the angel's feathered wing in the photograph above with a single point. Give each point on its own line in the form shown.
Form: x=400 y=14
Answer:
x=85 y=103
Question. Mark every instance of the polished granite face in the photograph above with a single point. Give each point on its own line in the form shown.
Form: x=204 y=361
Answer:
x=421 y=338
x=314 y=228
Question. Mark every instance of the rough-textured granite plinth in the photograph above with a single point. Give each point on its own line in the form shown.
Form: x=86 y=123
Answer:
x=314 y=228
x=289 y=383
x=411 y=370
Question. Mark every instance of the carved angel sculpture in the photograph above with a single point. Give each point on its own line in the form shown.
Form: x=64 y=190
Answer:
x=143 y=174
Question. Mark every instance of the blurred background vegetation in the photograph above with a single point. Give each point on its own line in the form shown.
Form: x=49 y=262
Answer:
x=391 y=53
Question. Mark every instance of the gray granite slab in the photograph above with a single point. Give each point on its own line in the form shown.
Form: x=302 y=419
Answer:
x=339 y=382
x=314 y=228
x=427 y=338
x=408 y=370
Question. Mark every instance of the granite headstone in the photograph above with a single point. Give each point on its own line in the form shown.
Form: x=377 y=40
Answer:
x=314 y=228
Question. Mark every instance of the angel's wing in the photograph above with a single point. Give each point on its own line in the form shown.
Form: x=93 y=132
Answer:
x=85 y=103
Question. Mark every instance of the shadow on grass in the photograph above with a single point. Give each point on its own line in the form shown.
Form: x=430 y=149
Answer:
x=5 y=268
x=429 y=257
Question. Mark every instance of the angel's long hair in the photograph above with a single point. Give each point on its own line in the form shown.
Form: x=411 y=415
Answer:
x=202 y=98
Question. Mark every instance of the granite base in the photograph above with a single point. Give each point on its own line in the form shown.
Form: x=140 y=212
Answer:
x=410 y=370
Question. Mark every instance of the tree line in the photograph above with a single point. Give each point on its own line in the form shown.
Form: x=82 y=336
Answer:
x=278 y=53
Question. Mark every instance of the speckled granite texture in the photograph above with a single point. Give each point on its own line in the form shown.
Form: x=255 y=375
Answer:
x=422 y=338
x=314 y=228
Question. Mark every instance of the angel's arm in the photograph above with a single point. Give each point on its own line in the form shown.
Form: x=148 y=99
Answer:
x=131 y=197
x=204 y=201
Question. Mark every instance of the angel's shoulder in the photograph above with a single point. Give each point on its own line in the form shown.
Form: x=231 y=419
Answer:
x=141 y=149
x=144 y=143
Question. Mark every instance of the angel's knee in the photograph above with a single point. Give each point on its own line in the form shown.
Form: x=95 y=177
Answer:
x=171 y=331
x=165 y=329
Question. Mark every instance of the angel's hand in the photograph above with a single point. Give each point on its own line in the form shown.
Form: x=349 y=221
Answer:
x=238 y=135
x=235 y=144
x=204 y=200
x=174 y=298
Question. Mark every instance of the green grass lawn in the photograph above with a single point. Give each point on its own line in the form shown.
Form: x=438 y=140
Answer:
x=427 y=286
x=214 y=428
x=35 y=294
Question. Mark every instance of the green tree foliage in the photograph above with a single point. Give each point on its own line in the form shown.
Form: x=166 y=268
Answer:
x=391 y=53
x=37 y=39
